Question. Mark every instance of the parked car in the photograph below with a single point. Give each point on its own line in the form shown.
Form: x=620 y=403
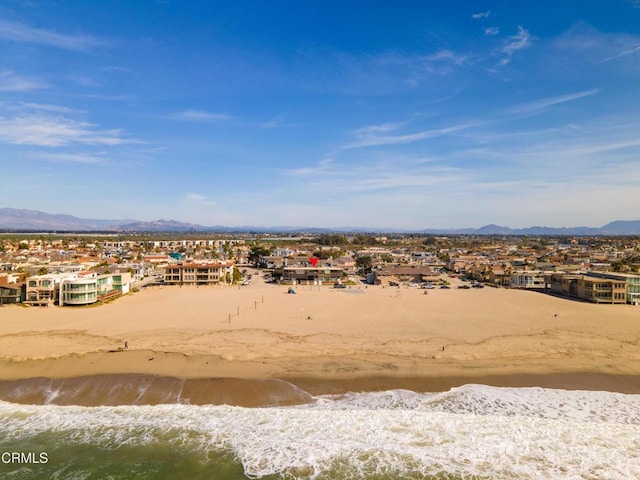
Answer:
x=339 y=285
x=466 y=287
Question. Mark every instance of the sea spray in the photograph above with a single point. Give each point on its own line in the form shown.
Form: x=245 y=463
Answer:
x=473 y=431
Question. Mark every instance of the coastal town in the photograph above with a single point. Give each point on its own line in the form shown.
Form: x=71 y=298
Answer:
x=66 y=270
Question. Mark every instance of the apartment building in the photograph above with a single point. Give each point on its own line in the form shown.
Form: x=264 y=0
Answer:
x=589 y=288
x=198 y=273
x=311 y=275
x=631 y=281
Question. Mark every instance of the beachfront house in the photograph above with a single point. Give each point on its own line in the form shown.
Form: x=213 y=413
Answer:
x=529 y=279
x=413 y=274
x=631 y=281
x=589 y=288
x=311 y=275
x=12 y=293
x=198 y=273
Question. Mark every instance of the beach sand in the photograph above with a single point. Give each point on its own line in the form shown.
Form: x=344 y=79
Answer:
x=330 y=340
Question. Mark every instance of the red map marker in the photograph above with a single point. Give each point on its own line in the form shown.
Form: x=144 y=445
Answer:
x=313 y=260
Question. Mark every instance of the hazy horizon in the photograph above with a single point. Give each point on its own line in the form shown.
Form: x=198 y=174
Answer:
x=333 y=115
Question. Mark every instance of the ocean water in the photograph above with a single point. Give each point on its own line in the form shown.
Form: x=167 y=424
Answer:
x=469 y=432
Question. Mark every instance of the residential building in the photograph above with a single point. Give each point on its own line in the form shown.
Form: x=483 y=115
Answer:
x=403 y=274
x=589 y=288
x=632 y=283
x=198 y=273
x=311 y=275
x=45 y=289
x=12 y=293
x=530 y=279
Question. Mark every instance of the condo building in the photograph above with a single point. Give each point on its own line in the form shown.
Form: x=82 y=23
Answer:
x=198 y=273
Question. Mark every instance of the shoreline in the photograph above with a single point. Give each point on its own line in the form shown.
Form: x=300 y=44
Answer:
x=108 y=378
x=145 y=389
x=327 y=341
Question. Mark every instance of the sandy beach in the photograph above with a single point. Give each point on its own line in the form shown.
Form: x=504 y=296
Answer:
x=327 y=339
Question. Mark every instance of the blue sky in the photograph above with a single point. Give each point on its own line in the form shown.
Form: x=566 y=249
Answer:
x=409 y=114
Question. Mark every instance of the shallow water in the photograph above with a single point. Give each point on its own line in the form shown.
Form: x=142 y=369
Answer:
x=472 y=431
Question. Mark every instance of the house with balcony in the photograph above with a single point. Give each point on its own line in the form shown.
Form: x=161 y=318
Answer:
x=631 y=281
x=198 y=273
x=311 y=275
x=45 y=289
x=412 y=274
x=529 y=279
x=589 y=288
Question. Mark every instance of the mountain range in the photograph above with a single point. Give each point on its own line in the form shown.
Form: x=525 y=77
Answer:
x=13 y=219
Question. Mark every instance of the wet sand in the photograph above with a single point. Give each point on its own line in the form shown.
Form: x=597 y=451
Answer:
x=325 y=340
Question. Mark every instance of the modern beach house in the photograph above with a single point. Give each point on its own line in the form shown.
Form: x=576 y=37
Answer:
x=80 y=288
x=198 y=273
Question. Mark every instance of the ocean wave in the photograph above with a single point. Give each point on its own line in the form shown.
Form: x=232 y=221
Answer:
x=469 y=432
x=546 y=403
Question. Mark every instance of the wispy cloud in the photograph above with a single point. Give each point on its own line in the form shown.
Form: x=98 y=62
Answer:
x=116 y=68
x=491 y=31
x=197 y=200
x=47 y=129
x=550 y=101
x=584 y=42
x=199 y=116
x=19 y=32
x=10 y=82
x=368 y=138
x=46 y=107
x=277 y=122
x=381 y=128
x=515 y=43
x=82 y=80
x=623 y=53
x=481 y=15
x=87 y=158
x=417 y=67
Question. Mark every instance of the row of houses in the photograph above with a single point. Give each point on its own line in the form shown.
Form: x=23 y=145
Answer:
x=77 y=288
x=591 y=286
x=83 y=288
x=597 y=287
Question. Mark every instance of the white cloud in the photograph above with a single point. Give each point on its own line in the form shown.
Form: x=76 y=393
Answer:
x=10 y=82
x=481 y=15
x=515 y=43
x=197 y=200
x=47 y=107
x=54 y=131
x=491 y=31
x=384 y=127
x=370 y=138
x=629 y=51
x=550 y=101
x=199 y=116
x=19 y=32
x=88 y=158
x=446 y=55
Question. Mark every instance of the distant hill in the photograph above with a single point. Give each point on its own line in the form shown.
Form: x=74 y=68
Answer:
x=22 y=219
x=158 y=226
x=13 y=219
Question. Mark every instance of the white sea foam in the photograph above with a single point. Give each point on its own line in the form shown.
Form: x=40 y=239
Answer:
x=587 y=406
x=472 y=430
